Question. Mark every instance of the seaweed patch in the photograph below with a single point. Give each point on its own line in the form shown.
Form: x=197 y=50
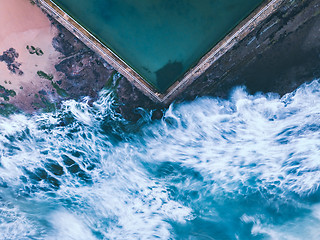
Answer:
x=6 y=93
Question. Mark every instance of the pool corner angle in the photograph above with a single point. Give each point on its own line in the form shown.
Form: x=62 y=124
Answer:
x=210 y=58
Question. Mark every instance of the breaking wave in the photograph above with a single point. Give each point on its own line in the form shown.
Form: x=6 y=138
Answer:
x=243 y=168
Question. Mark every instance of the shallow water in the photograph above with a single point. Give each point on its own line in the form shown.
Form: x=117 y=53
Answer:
x=243 y=168
x=159 y=39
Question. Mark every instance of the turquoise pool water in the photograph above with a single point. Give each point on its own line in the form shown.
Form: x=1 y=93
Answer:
x=159 y=39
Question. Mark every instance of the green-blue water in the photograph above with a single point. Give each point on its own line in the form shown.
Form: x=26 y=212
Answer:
x=160 y=39
x=238 y=169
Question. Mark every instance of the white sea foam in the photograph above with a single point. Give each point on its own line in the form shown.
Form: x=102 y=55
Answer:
x=276 y=141
x=306 y=227
x=80 y=173
x=67 y=226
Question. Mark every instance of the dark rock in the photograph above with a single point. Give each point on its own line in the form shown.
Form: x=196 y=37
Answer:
x=62 y=45
x=9 y=57
x=131 y=98
x=157 y=114
x=84 y=73
x=43 y=92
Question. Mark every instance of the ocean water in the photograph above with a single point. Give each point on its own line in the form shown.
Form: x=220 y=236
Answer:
x=243 y=168
x=159 y=39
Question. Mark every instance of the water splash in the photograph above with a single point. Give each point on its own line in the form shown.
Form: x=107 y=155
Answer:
x=243 y=168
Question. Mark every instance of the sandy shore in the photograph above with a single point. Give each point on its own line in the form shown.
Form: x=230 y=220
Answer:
x=24 y=25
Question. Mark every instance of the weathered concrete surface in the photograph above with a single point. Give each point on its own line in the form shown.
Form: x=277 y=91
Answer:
x=279 y=55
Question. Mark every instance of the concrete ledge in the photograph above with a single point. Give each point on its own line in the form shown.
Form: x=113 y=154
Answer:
x=236 y=35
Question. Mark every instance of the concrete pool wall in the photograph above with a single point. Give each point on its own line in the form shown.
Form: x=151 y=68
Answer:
x=235 y=36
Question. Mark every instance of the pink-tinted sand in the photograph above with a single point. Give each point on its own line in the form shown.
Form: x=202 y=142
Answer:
x=25 y=24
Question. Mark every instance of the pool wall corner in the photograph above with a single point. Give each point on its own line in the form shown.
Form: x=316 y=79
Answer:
x=226 y=44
